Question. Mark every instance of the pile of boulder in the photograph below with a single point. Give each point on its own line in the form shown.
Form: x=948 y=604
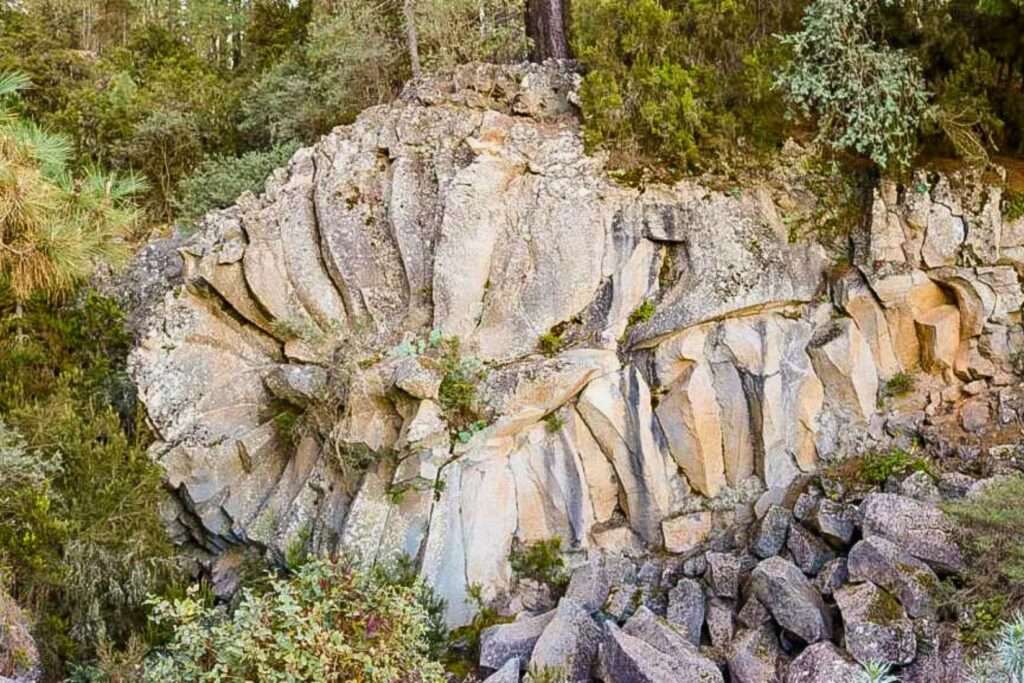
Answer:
x=813 y=588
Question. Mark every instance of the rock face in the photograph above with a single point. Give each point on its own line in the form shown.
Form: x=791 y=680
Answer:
x=19 y=657
x=418 y=341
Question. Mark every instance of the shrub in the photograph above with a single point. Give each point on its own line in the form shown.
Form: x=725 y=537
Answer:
x=874 y=469
x=457 y=394
x=551 y=343
x=899 y=384
x=1004 y=661
x=991 y=527
x=1013 y=206
x=329 y=623
x=642 y=314
x=866 y=97
x=541 y=561
x=454 y=32
x=219 y=180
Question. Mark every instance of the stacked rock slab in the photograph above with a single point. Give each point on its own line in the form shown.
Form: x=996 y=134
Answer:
x=468 y=209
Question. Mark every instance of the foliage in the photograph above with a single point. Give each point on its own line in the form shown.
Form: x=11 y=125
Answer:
x=54 y=229
x=554 y=423
x=876 y=672
x=899 y=384
x=867 y=97
x=542 y=562
x=452 y=32
x=547 y=674
x=457 y=394
x=1004 y=660
x=464 y=645
x=551 y=342
x=84 y=544
x=330 y=622
x=875 y=468
x=642 y=314
x=1013 y=206
x=991 y=526
x=218 y=181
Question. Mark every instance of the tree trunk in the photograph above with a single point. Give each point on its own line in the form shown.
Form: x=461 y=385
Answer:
x=547 y=23
x=409 y=10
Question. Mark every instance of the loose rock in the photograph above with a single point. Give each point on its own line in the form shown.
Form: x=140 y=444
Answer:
x=792 y=600
x=876 y=626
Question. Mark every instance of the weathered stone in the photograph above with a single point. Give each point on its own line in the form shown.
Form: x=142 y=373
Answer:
x=719 y=617
x=590 y=584
x=792 y=600
x=943 y=662
x=666 y=659
x=920 y=529
x=938 y=331
x=855 y=297
x=686 y=532
x=835 y=521
x=569 y=642
x=723 y=574
x=920 y=486
x=876 y=627
x=843 y=361
x=753 y=614
x=504 y=642
x=754 y=656
x=689 y=415
x=809 y=552
x=19 y=656
x=833 y=575
x=883 y=563
x=823 y=663
x=770 y=534
x=509 y=673
x=974 y=414
x=416 y=379
x=953 y=485
x=622 y=601
x=686 y=608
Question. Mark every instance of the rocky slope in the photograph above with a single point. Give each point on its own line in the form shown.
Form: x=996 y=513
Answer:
x=303 y=379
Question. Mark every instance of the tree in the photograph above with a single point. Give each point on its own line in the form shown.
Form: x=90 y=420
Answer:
x=409 y=17
x=547 y=23
x=54 y=228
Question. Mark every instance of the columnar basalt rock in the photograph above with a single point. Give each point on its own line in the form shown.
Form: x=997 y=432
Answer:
x=419 y=340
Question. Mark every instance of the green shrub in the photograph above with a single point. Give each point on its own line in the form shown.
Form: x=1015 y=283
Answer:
x=329 y=623
x=991 y=528
x=463 y=650
x=1013 y=206
x=899 y=384
x=219 y=180
x=866 y=97
x=541 y=561
x=873 y=469
x=551 y=343
x=554 y=423
x=457 y=394
x=642 y=314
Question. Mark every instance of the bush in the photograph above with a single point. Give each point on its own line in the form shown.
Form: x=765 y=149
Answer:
x=866 y=97
x=873 y=469
x=452 y=32
x=542 y=562
x=1004 y=662
x=219 y=180
x=329 y=623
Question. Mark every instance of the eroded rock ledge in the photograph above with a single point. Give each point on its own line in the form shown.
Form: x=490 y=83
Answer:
x=468 y=210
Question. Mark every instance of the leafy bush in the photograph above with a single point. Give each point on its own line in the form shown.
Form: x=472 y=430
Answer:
x=866 y=97
x=542 y=562
x=1004 y=662
x=899 y=384
x=454 y=32
x=551 y=343
x=329 y=623
x=457 y=394
x=642 y=314
x=219 y=180
x=873 y=469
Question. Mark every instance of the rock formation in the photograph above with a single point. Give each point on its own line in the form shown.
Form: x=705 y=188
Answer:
x=444 y=331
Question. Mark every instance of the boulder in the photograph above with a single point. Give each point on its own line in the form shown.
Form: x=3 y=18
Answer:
x=720 y=618
x=835 y=521
x=723 y=575
x=629 y=658
x=569 y=643
x=686 y=608
x=920 y=529
x=515 y=640
x=833 y=575
x=753 y=614
x=920 y=486
x=509 y=673
x=591 y=583
x=771 y=531
x=885 y=564
x=794 y=603
x=938 y=332
x=686 y=532
x=876 y=626
x=823 y=663
x=809 y=552
x=755 y=656
x=943 y=662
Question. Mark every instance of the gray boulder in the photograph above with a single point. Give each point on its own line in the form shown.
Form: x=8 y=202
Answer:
x=721 y=621
x=823 y=663
x=591 y=584
x=883 y=563
x=876 y=626
x=506 y=674
x=627 y=658
x=723 y=574
x=755 y=656
x=686 y=608
x=770 y=535
x=568 y=643
x=833 y=575
x=835 y=521
x=921 y=529
x=792 y=600
x=920 y=486
x=500 y=643
x=809 y=552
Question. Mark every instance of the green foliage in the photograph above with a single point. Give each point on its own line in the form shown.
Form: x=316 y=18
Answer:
x=551 y=342
x=84 y=543
x=991 y=526
x=541 y=561
x=547 y=674
x=1013 y=206
x=457 y=394
x=642 y=314
x=330 y=622
x=554 y=423
x=452 y=32
x=1009 y=649
x=866 y=97
x=218 y=180
x=875 y=468
x=876 y=672
x=463 y=652
x=899 y=384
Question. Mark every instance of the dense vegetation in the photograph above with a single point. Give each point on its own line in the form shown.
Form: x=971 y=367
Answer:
x=119 y=119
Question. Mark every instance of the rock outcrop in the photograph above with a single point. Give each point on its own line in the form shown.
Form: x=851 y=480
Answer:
x=444 y=332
